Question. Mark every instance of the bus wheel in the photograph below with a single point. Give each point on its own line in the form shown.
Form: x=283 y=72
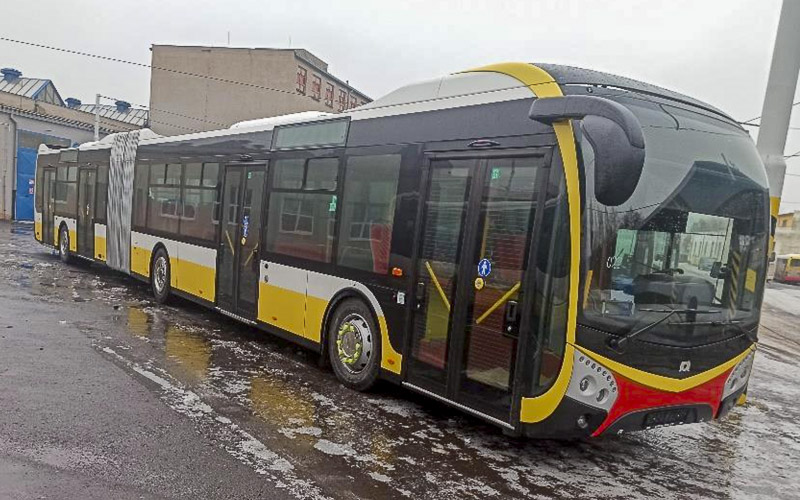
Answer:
x=160 y=276
x=63 y=244
x=354 y=345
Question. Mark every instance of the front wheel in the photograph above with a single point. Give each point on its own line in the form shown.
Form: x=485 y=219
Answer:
x=160 y=276
x=354 y=345
x=63 y=244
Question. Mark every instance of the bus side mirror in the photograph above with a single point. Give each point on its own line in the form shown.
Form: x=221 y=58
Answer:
x=615 y=134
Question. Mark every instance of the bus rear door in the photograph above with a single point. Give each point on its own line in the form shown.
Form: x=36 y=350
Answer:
x=473 y=250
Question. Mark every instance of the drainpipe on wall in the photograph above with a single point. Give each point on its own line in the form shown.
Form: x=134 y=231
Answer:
x=14 y=165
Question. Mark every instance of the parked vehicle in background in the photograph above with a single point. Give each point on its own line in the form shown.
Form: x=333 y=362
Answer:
x=787 y=268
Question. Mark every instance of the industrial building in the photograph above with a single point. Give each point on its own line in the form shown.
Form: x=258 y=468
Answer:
x=32 y=112
x=195 y=88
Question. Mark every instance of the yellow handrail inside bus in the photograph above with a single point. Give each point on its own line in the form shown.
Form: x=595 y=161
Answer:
x=437 y=285
x=230 y=243
x=502 y=300
x=252 y=253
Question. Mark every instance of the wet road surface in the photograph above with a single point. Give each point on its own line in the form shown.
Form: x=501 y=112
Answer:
x=104 y=393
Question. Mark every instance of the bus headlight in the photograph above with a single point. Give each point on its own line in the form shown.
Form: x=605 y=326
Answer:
x=592 y=383
x=739 y=376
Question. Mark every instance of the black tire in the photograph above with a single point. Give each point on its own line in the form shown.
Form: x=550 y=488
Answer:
x=356 y=360
x=160 y=275
x=63 y=244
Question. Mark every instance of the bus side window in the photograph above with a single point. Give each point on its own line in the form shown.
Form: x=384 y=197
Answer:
x=368 y=205
x=140 y=195
x=199 y=200
x=164 y=198
x=302 y=208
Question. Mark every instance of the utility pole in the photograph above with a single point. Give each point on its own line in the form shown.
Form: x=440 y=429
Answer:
x=777 y=109
x=97 y=117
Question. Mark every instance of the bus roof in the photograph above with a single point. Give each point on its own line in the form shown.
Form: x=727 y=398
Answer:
x=466 y=88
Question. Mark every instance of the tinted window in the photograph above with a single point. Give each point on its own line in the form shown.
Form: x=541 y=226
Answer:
x=368 y=201
x=157 y=173
x=102 y=192
x=301 y=224
x=210 y=174
x=163 y=208
x=173 y=174
x=199 y=202
x=321 y=173
x=193 y=174
x=140 y=189
x=313 y=134
x=199 y=213
x=289 y=173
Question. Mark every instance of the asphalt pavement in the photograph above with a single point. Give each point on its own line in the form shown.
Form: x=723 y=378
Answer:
x=105 y=394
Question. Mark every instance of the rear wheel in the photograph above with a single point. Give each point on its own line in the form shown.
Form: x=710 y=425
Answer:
x=160 y=276
x=63 y=244
x=354 y=346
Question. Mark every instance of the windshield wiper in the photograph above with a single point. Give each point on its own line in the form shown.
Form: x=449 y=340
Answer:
x=616 y=342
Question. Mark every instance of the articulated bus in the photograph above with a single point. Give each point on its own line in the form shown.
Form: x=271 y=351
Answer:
x=558 y=251
x=787 y=268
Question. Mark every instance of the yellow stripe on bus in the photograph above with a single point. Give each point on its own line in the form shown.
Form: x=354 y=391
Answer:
x=100 y=248
x=185 y=275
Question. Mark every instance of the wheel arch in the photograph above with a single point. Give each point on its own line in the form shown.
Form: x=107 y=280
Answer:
x=338 y=298
x=158 y=246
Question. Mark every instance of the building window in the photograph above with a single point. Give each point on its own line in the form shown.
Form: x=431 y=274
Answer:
x=353 y=102
x=342 y=99
x=316 y=87
x=329 y=95
x=302 y=74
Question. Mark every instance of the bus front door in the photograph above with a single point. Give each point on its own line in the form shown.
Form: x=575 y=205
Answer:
x=48 y=188
x=240 y=236
x=477 y=222
x=85 y=221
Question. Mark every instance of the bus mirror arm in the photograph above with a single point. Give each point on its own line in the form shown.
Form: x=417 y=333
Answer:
x=614 y=135
x=551 y=109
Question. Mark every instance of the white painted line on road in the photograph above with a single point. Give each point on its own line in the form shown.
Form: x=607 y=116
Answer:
x=237 y=442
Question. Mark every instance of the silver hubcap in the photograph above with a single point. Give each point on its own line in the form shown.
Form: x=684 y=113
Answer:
x=160 y=274
x=354 y=343
x=64 y=243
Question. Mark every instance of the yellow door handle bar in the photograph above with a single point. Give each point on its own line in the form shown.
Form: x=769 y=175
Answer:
x=502 y=300
x=437 y=285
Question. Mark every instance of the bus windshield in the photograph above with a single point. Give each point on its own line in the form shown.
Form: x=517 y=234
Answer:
x=693 y=236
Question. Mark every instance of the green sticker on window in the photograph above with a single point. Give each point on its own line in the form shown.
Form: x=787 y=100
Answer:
x=332 y=205
x=249 y=175
x=495 y=173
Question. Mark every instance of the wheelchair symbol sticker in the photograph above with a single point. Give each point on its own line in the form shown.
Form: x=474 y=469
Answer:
x=484 y=268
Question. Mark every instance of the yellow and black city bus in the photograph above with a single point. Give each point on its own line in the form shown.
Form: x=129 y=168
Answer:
x=555 y=250
x=787 y=268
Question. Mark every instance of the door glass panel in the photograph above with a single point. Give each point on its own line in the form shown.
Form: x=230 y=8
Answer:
x=250 y=237
x=85 y=212
x=445 y=210
x=499 y=257
x=229 y=244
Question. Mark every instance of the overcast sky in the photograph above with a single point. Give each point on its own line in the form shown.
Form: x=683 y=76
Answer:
x=717 y=51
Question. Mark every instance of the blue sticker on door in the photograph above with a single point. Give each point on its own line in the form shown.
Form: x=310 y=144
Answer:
x=484 y=268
